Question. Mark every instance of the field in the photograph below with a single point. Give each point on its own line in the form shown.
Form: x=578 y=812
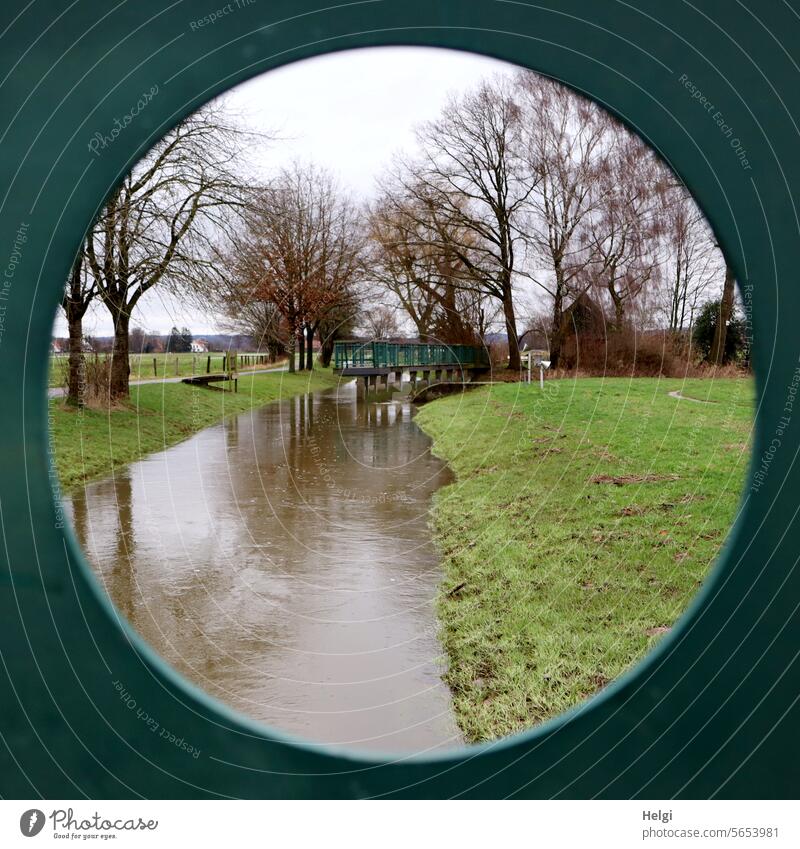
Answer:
x=583 y=520
x=93 y=443
x=152 y=366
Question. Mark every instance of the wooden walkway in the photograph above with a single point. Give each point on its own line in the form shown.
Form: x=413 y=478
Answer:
x=207 y=379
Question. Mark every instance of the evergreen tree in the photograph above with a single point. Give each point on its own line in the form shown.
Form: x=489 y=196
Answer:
x=705 y=327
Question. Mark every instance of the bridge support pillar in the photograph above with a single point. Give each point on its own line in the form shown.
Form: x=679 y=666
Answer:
x=412 y=376
x=398 y=378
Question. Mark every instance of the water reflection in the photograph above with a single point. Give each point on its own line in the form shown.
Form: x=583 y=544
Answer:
x=282 y=561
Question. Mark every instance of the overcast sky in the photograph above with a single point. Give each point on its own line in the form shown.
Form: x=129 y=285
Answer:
x=348 y=112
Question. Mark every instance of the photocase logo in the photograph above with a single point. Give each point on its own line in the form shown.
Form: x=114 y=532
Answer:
x=31 y=822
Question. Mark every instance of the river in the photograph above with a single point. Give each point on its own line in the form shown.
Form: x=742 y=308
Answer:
x=282 y=561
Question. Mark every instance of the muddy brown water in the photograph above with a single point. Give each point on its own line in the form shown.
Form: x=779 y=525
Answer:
x=282 y=562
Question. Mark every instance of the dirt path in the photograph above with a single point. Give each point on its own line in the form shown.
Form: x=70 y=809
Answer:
x=677 y=394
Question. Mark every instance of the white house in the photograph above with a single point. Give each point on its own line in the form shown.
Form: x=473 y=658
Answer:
x=199 y=346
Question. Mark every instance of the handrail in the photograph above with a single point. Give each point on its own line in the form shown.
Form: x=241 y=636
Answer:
x=378 y=354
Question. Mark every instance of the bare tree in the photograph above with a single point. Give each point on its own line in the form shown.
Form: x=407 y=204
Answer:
x=622 y=230
x=381 y=323
x=258 y=319
x=157 y=225
x=336 y=292
x=300 y=251
x=411 y=257
x=691 y=259
x=567 y=141
x=474 y=186
x=402 y=256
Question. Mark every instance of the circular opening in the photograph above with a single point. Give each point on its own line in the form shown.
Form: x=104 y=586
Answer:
x=521 y=458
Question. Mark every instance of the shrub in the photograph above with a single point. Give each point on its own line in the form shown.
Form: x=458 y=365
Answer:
x=498 y=353
x=95 y=380
x=627 y=353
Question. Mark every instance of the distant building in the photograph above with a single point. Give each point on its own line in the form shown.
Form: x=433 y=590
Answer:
x=57 y=346
x=199 y=346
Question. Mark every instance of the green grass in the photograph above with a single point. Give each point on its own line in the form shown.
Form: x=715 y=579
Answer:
x=153 y=366
x=93 y=443
x=557 y=578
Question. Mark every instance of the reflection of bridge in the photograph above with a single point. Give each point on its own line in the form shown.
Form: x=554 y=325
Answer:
x=377 y=361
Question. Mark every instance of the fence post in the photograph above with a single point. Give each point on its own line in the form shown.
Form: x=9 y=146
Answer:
x=208 y=365
x=155 y=366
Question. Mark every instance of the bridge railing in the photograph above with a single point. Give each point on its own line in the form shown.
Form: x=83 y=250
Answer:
x=405 y=355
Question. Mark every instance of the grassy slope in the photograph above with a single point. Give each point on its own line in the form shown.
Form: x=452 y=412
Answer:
x=90 y=444
x=567 y=581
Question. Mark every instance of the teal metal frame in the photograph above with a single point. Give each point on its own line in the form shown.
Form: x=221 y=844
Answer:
x=713 y=711
x=379 y=354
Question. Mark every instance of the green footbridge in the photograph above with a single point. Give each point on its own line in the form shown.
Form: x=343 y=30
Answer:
x=376 y=360
x=348 y=356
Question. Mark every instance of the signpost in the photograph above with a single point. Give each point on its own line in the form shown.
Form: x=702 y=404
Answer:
x=540 y=359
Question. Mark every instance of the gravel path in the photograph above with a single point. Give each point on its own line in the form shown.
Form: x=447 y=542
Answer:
x=677 y=394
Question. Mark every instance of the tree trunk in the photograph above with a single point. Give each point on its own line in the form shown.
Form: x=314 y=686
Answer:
x=452 y=329
x=557 y=329
x=725 y=311
x=325 y=348
x=301 y=342
x=514 y=361
x=310 y=346
x=77 y=364
x=75 y=304
x=120 y=366
x=291 y=351
x=619 y=308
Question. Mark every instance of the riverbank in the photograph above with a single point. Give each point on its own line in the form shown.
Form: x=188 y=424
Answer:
x=582 y=522
x=92 y=443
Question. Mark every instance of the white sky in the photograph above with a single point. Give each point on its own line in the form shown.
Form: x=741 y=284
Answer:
x=347 y=111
